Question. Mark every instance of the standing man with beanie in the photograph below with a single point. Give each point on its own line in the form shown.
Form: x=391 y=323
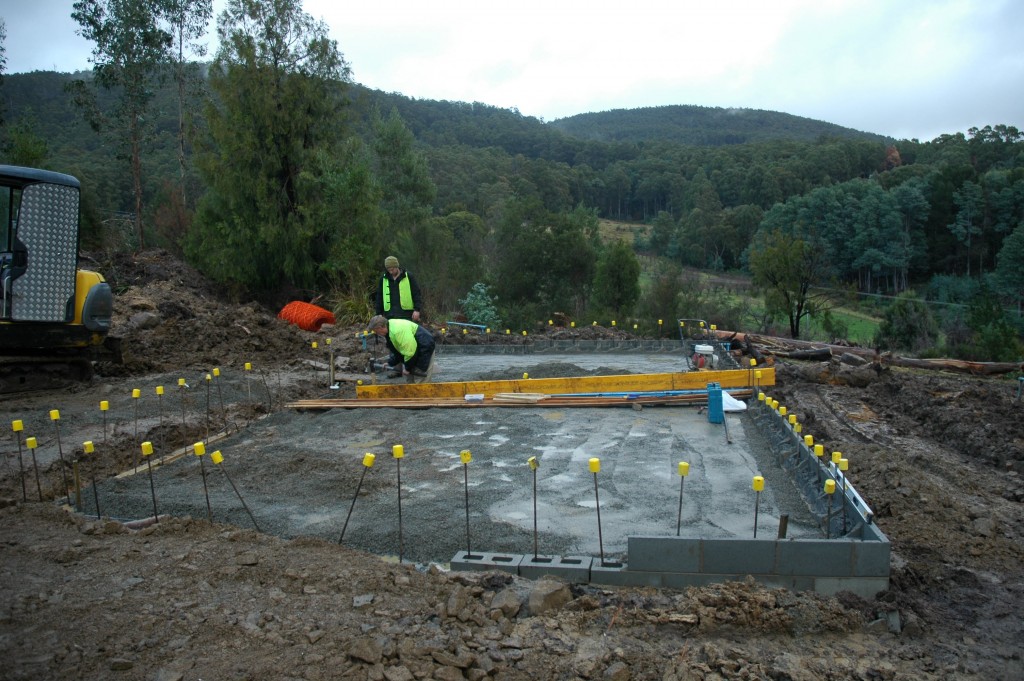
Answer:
x=411 y=346
x=397 y=295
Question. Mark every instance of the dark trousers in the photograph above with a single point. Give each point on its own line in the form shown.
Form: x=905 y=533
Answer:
x=421 y=358
x=424 y=351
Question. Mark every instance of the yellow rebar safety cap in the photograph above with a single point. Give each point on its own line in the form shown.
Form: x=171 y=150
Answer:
x=532 y=462
x=398 y=451
x=368 y=459
x=199 y=448
x=465 y=456
x=87 y=447
x=217 y=457
x=684 y=468
x=17 y=426
x=147 y=448
x=758 y=483
x=595 y=465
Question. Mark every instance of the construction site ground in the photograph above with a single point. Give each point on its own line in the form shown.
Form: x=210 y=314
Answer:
x=938 y=457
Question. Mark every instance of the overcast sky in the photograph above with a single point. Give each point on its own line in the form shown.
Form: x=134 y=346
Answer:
x=903 y=68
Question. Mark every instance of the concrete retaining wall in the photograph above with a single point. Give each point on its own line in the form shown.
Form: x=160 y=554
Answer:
x=820 y=565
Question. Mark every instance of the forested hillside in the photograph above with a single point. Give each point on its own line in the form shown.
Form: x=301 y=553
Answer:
x=296 y=181
x=701 y=125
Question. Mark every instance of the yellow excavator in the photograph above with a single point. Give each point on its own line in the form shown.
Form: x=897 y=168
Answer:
x=54 y=317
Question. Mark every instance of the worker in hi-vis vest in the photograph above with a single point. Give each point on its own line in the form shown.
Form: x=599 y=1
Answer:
x=397 y=295
x=411 y=346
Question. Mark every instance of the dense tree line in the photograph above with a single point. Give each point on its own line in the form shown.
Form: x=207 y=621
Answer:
x=273 y=172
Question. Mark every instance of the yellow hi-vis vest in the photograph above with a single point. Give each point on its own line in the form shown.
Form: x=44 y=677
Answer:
x=404 y=293
x=402 y=333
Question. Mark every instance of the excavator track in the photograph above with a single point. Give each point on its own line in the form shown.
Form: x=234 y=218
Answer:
x=28 y=374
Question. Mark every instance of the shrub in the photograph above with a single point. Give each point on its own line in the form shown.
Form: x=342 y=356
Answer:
x=479 y=306
x=908 y=324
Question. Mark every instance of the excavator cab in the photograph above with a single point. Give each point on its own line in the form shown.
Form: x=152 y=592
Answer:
x=53 y=316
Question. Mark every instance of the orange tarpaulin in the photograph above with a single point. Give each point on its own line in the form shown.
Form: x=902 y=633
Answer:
x=306 y=316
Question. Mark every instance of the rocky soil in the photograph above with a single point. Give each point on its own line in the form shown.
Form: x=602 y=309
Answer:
x=937 y=456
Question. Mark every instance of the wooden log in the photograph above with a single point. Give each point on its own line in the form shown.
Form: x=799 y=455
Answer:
x=788 y=347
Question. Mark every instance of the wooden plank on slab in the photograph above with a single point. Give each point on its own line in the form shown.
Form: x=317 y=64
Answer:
x=692 y=380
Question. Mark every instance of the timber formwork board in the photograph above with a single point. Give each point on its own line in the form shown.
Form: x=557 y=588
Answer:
x=625 y=383
x=504 y=400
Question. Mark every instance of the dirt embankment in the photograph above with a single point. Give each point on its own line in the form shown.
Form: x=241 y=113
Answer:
x=938 y=457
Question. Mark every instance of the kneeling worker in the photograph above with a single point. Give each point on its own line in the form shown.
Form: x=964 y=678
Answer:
x=411 y=345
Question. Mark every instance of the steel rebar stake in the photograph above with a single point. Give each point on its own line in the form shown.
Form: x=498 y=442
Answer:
x=532 y=461
x=208 y=380
x=247 y=367
x=104 y=406
x=199 y=448
x=398 y=451
x=181 y=394
x=160 y=405
x=17 y=426
x=218 y=459
x=135 y=410
x=368 y=460
x=87 y=450
x=220 y=398
x=830 y=490
x=758 y=485
x=147 y=451
x=465 y=457
x=684 y=470
x=595 y=468
x=31 y=443
x=55 y=416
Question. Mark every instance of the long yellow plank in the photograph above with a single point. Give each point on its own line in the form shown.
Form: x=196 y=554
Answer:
x=693 y=380
x=553 y=402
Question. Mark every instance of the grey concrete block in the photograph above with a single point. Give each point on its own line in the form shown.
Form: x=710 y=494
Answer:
x=791 y=582
x=738 y=556
x=664 y=554
x=814 y=557
x=618 y=574
x=573 y=569
x=482 y=561
x=870 y=559
x=684 y=580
